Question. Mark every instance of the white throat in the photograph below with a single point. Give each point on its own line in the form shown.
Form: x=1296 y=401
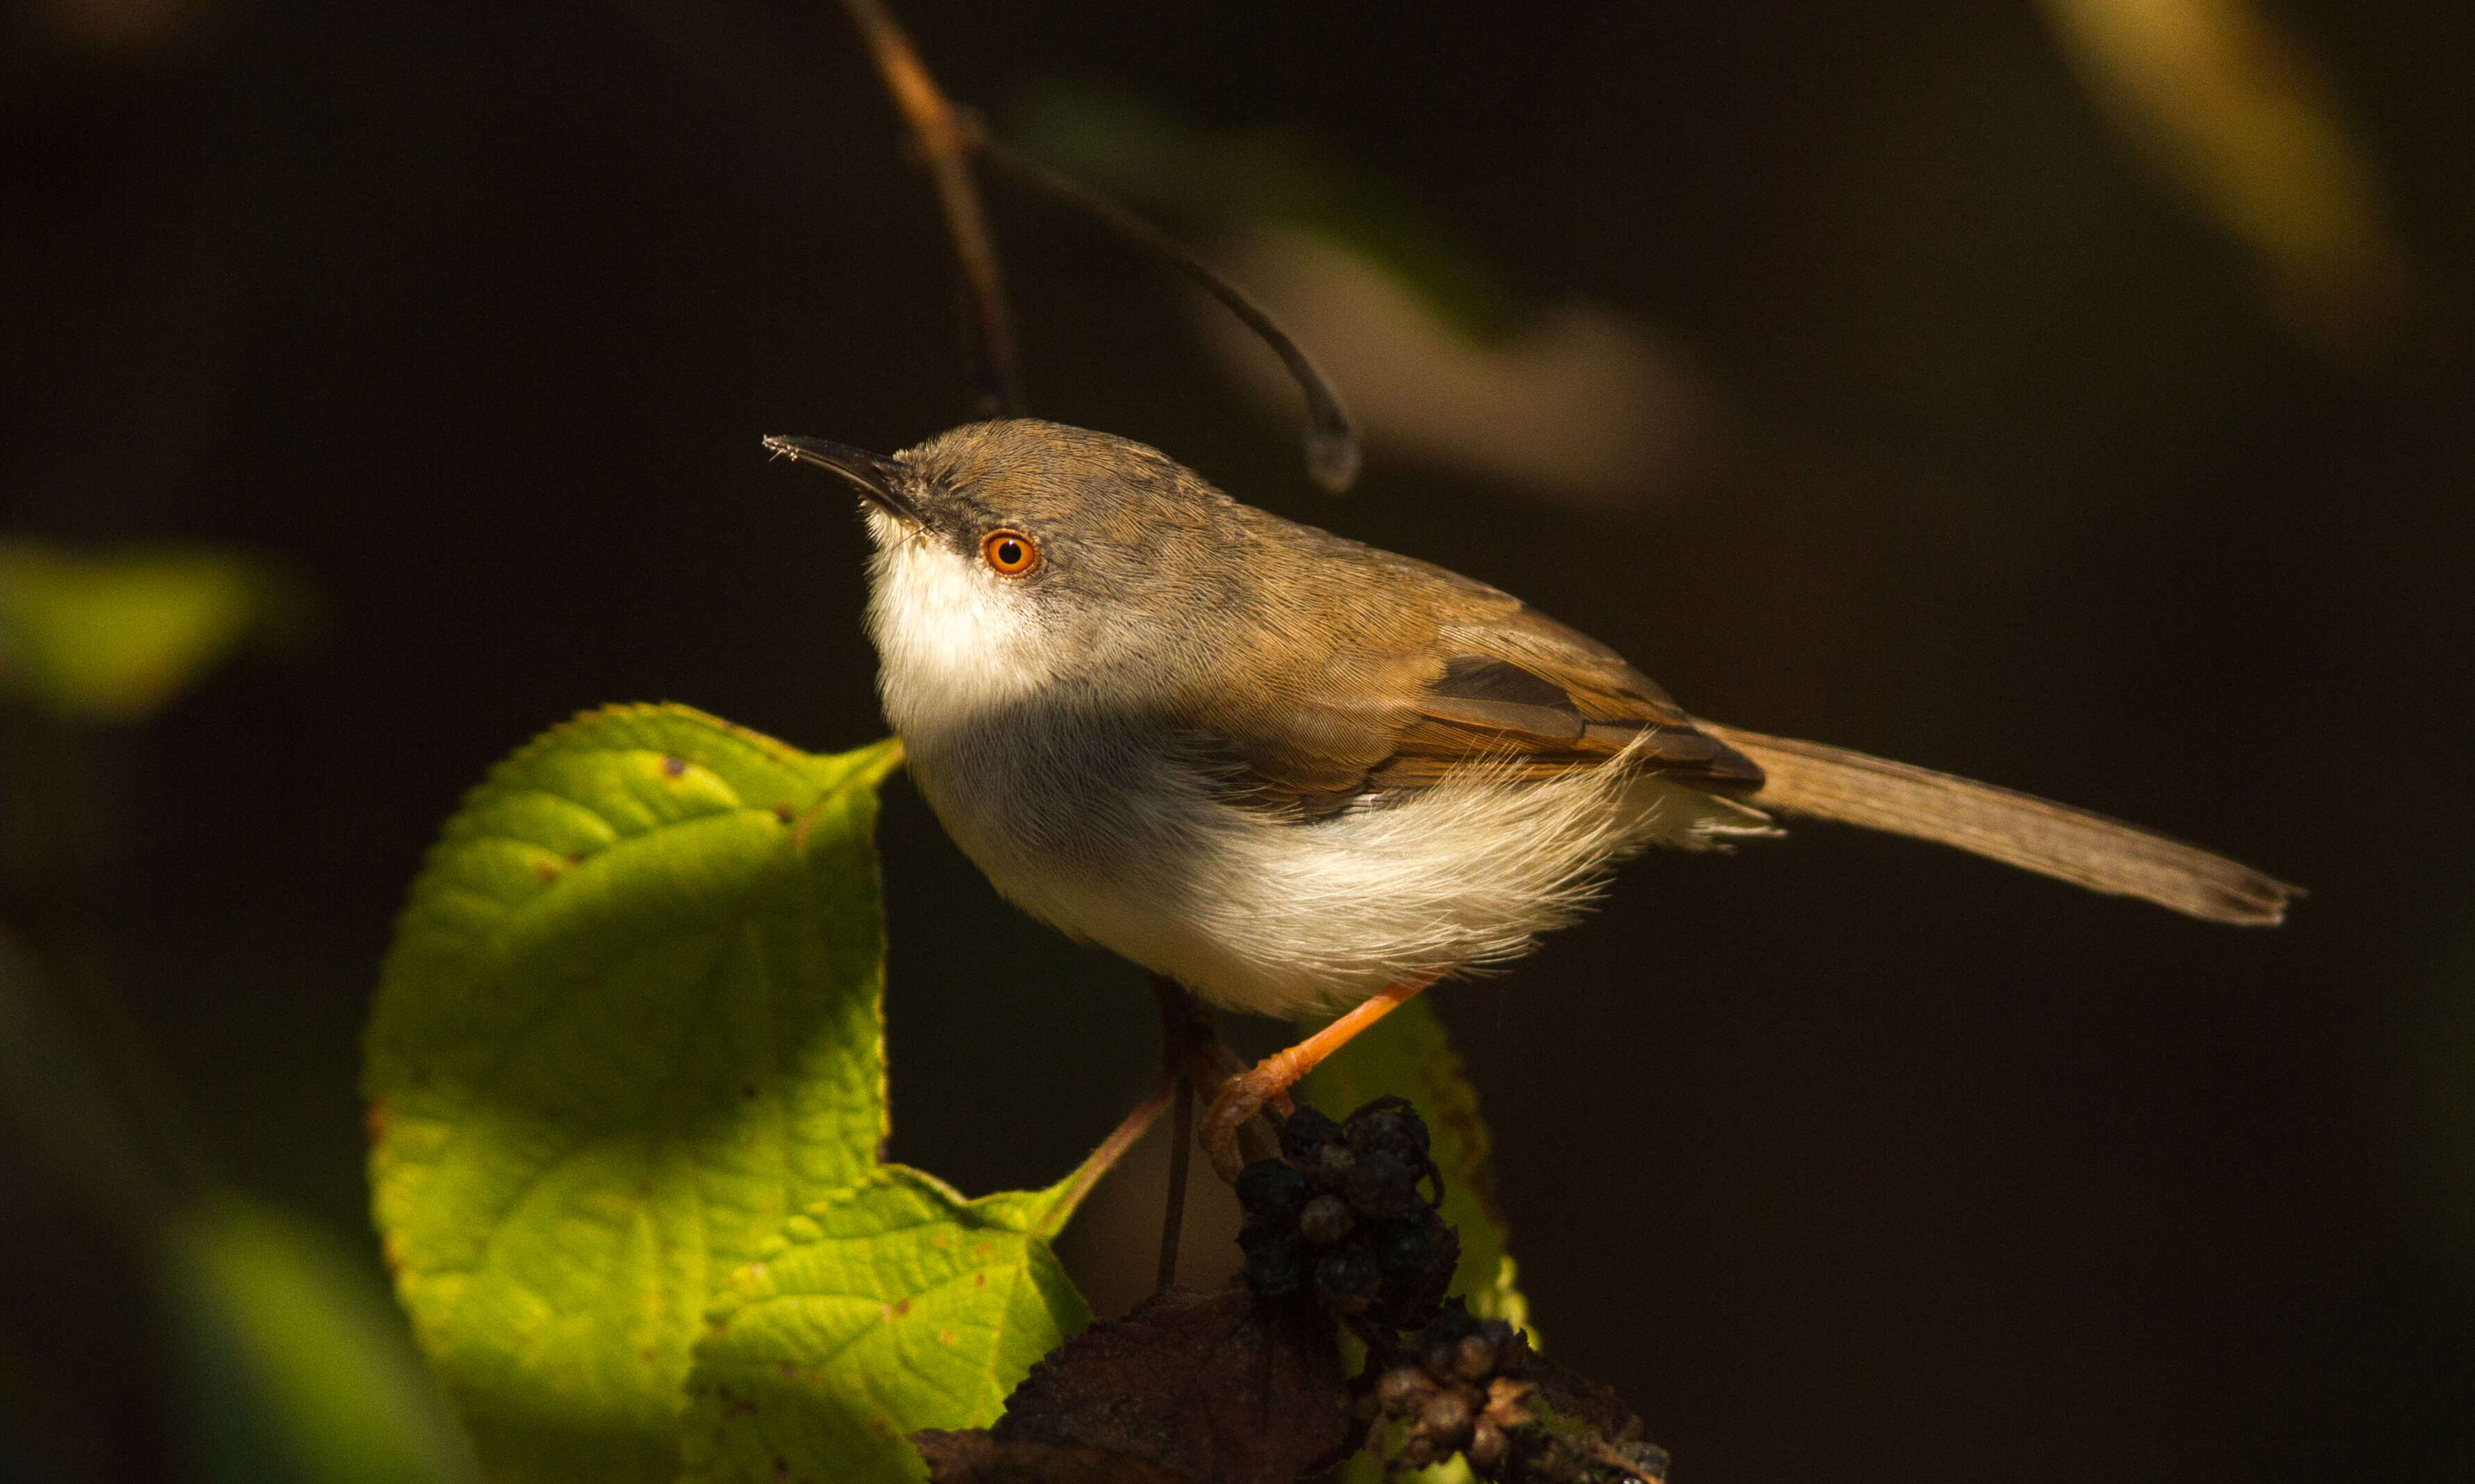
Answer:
x=953 y=644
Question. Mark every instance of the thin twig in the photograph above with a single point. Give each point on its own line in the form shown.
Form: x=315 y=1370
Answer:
x=1181 y=1152
x=944 y=140
x=1101 y=1160
x=1332 y=456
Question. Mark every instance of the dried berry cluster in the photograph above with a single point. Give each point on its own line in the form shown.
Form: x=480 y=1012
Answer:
x=1342 y=1217
x=1476 y=1388
x=1457 y=1391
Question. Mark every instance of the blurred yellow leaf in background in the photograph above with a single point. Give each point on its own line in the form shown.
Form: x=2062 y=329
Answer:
x=2234 y=111
x=1577 y=402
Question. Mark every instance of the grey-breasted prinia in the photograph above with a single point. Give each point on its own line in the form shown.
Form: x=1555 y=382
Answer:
x=1293 y=771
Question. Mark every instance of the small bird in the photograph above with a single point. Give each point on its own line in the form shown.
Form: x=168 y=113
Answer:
x=1295 y=772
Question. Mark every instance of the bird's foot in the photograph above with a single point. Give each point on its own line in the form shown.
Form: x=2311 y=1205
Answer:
x=1240 y=1098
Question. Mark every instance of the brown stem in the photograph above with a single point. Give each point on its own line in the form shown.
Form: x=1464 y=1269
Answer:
x=944 y=139
x=1332 y=439
x=1181 y=1152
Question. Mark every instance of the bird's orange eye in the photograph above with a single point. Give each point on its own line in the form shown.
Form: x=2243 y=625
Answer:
x=1010 y=554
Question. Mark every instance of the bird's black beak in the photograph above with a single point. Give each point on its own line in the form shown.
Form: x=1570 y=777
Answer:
x=874 y=473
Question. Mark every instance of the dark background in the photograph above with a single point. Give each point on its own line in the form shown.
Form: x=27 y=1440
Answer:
x=1844 y=1158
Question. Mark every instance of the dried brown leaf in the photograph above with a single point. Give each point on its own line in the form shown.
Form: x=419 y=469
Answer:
x=1219 y=1388
x=979 y=1457
x=1584 y=1432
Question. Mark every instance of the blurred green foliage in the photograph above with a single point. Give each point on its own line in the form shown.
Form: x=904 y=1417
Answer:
x=1269 y=176
x=114 y=638
x=294 y=1369
x=285 y=1365
x=2437 y=1032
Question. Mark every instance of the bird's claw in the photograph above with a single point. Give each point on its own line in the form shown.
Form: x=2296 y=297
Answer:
x=1235 y=1103
x=1265 y=1084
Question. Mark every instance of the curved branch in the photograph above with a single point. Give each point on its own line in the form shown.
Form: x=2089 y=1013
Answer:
x=948 y=137
x=1332 y=455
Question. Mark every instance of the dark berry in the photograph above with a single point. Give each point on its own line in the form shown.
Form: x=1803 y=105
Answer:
x=1331 y=1165
x=1276 y=1268
x=1451 y=1321
x=1474 y=1358
x=1306 y=1132
x=1326 y=1220
x=1345 y=1280
x=1272 y=1190
x=1412 y=1288
x=1486 y=1446
x=1406 y=1249
x=1388 y=1124
x=1382 y=1184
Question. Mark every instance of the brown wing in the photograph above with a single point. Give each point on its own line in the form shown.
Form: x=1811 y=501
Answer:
x=1404 y=704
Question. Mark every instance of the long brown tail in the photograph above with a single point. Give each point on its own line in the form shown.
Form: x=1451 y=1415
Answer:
x=2053 y=840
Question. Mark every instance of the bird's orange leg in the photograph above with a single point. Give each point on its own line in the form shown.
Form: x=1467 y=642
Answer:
x=1243 y=1096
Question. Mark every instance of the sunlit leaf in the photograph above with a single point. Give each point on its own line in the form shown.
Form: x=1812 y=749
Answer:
x=886 y=1309
x=629 y=1026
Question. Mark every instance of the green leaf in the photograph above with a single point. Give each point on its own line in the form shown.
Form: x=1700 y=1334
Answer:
x=293 y=1368
x=886 y=1309
x=630 y=1024
x=114 y=638
x=1406 y=1055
